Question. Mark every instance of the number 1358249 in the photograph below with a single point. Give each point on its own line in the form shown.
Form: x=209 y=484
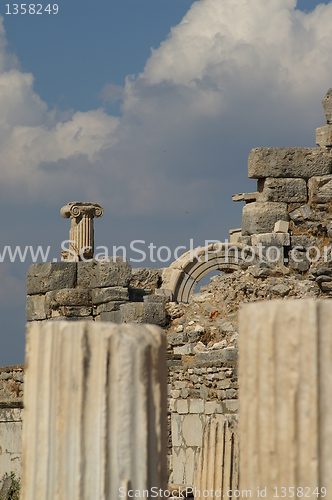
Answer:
x=31 y=8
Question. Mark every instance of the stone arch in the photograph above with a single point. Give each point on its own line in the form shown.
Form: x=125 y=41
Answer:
x=182 y=276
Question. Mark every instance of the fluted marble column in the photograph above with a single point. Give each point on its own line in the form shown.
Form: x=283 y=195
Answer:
x=81 y=232
x=285 y=398
x=95 y=411
x=217 y=470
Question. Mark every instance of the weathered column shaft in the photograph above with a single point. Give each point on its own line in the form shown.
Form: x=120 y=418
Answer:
x=218 y=464
x=81 y=234
x=95 y=410
x=285 y=397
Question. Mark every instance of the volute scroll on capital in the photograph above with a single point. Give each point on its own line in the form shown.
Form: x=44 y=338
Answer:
x=77 y=209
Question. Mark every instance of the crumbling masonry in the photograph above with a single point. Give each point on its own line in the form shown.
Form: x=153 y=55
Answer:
x=291 y=210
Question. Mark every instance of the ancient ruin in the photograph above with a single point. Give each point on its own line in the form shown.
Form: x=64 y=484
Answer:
x=282 y=251
x=81 y=234
x=95 y=398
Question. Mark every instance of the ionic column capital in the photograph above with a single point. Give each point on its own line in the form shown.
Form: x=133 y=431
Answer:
x=81 y=234
x=76 y=209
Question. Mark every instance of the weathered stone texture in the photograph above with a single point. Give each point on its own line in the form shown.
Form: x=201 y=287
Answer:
x=261 y=217
x=270 y=246
x=69 y=297
x=103 y=295
x=108 y=307
x=289 y=162
x=285 y=190
x=281 y=226
x=11 y=414
x=247 y=197
x=218 y=462
x=320 y=189
x=95 y=410
x=271 y=239
x=324 y=136
x=106 y=274
x=144 y=312
x=42 y=278
x=11 y=386
x=216 y=358
x=103 y=274
x=327 y=105
x=72 y=312
x=113 y=316
x=10 y=441
x=85 y=272
x=35 y=309
x=146 y=278
x=285 y=380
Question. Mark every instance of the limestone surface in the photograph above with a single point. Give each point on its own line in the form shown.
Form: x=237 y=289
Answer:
x=42 y=278
x=281 y=226
x=69 y=297
x=285 y=190
x=103 y=295
x=320 y=189
x=289 y=162
x=218 y=464
x=324 y=136
x=146 y=278
x=81 y=234
x=95 y=410
x=271 y=239
x=261 y=217
x=35 y=308
x=327 y=105
x=144 y=312
x=285 y=380
x=109 y=273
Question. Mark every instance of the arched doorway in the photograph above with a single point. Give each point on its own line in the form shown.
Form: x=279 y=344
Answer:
x=182 y=276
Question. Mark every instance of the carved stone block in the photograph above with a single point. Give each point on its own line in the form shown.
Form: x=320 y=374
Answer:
x=285 y=395
x=289 y=162
x=94 y=410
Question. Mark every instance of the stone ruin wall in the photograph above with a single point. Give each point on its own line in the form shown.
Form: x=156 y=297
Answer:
x=293 y=185
x=95 y=291
x=11 y=413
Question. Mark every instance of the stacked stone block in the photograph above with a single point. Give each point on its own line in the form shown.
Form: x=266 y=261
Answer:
x=11 y=414
x=324 y=134
x=291 y=210
x=99 y=291
x=293 y=185
x=11 y=386
x=200 y=384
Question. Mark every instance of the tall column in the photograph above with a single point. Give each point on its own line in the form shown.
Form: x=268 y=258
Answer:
x=285 y=398
x=81 y=234
x=95 y=411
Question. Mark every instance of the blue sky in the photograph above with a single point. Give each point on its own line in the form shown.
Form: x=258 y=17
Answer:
x=159 y=138
x=92 y=43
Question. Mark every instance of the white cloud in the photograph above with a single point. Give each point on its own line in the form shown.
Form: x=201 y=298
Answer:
x=231 y=76
x=112 y=93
